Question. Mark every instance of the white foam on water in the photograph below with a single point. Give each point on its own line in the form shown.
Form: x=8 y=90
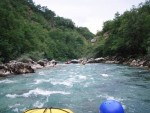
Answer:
x=72 y=80
x=39 y=81
x=107 y=97
x=133 y=87
x=7 y=81
x=110 y=97
x=90 y=99
x=23 y=110
x=66 y=83
x=105 y=75
x=15 y=105
x=38 y=104
x=82 y=77
x=124 y=106
x=16 y=110
x=86 y=85
x=72 y=73
x=92 y=78
x=41 y=73
x=63 y=70
x=11 y=95
x=36 y=92
x=78 y=66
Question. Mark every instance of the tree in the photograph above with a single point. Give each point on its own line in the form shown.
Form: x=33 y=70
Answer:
x=128 y=34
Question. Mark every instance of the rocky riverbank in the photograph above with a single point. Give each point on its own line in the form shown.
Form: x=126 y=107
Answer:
x=138 y=62
x=23 y=66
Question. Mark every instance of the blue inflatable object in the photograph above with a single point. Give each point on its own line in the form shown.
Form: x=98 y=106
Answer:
x=111 y=106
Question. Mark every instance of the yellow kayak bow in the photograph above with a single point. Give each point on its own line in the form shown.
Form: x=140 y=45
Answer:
x=48 y=110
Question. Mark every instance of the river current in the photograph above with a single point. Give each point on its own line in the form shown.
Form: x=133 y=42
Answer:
x=81 y=88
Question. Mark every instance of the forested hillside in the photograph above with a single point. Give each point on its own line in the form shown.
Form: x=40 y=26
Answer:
x=128 y=34
x=31 y=31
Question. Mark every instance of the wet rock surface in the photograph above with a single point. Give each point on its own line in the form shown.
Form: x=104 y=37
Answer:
x=131 y=61
x=24 y=66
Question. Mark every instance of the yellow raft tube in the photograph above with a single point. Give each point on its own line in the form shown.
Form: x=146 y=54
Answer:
x=48 y=110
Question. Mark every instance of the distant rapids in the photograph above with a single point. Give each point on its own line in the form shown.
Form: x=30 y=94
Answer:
x=81 y=88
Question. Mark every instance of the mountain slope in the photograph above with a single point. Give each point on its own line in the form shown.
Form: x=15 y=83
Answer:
x=33 y=31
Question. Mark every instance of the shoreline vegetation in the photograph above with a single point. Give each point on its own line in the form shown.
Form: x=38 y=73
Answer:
x=29 y=66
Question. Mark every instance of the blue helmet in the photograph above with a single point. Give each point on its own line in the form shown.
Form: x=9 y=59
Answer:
x=111 y=106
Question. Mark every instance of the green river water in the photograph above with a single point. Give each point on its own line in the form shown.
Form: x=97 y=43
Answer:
x=81 y=88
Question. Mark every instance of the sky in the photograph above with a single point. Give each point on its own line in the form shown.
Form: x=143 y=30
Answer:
x=88 y=13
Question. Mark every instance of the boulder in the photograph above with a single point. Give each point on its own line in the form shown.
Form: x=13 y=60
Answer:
x=134 y=63
x=120 y=60
x=36 y=66
x=53 y=62
x=127 y=61
x=91 y=60
x=4 y=70
x=42 y=63
x=99 y=60
x=110 y=62
x=19 y=68
x=75 y=61
x=141 y=63
x=2 y=66
x=146 y=64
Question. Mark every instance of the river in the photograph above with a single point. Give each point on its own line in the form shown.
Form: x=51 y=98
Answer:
x=81 y=88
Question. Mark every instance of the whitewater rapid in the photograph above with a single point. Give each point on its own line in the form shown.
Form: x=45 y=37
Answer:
x=78 y=87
